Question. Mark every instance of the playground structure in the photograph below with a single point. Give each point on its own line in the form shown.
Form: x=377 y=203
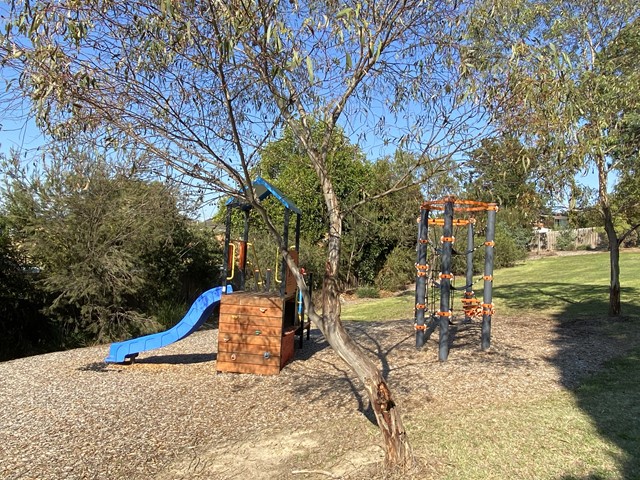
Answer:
x=472 y=306
x=257 y=328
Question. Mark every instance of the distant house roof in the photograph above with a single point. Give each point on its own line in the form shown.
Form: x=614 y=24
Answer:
x=263 y=190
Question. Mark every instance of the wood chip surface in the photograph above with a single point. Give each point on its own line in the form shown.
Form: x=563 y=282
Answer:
x=68 y=415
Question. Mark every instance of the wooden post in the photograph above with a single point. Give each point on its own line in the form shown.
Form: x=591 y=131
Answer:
x=445 y=279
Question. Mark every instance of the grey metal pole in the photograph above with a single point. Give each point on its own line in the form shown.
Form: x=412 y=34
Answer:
x=267 y=280
x=245 y=239
x=445 y=279
x=468 y=294
x=421 y=275
x=297 y=232
x=225 y=251
x=285 y=239
x=487 y=305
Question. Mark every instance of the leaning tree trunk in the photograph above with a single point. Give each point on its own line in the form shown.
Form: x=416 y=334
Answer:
x=398 y=454
x=396 y=443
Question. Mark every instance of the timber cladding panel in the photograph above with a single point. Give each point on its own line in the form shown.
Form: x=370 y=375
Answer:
x=251 y=336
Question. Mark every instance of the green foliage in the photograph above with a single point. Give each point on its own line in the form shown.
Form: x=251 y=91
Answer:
x=504 y=171
x=562 y=77
x=512 y=240
x=168 y=313
x=588 y=216
x=631 y=238
x=368 y=291
x=398 y=270
x=370 y=232
x=110 y=249
x=285 y=163
x=25 y=330
x=566 y=240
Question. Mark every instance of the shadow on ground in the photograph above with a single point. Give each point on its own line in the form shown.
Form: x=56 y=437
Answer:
x=179 y=359
x=583 y=328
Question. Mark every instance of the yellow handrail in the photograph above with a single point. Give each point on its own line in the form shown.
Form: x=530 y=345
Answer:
x=232 y=246
x=276 y=276
x=292 y=247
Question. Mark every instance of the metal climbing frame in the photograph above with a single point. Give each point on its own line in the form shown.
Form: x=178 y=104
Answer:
x=449 y=205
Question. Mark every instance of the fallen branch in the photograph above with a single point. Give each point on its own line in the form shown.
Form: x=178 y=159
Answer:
x=321 y=472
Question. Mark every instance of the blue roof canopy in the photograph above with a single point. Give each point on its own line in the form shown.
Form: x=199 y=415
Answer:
x=263 y=190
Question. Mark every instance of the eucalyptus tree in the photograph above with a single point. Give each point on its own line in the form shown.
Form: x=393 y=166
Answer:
x=370 y=232
x=203 y=85
x=557 y=75
x=503 y=170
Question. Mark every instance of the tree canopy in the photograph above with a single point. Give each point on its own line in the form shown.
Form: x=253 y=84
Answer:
x=372 y=230
x=555 y=76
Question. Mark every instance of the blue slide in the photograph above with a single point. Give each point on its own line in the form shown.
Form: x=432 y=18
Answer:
x=199 y=312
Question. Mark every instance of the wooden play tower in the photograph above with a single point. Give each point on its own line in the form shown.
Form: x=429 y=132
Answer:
x=257 y=328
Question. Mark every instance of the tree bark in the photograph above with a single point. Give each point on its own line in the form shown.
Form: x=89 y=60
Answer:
x=615 y=308
x=612 y=238
x=398 y=453
x=396 y=443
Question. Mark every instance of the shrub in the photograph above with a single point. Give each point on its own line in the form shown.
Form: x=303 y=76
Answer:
x=510 y=248
x=566 y=240
x=168 y=313
x=368 y=291
x=398 y=270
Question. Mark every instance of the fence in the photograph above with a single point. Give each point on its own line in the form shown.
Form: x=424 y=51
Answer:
x=545 y=240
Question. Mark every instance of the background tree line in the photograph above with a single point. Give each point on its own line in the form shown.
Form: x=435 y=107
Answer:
x=379 y=238
x=93 y=252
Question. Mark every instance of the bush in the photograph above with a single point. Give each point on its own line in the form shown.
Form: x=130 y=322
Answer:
x=111 y=253
x=398 y=271
x=25 y=330
x=368 y=291
x=168 y=313
x=510 y=248
x=631 y=240
x=566 y=240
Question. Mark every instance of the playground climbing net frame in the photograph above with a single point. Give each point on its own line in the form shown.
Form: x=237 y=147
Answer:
x=425 y=277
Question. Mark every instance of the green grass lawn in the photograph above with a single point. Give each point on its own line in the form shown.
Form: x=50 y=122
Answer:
x=393 y=308
x=572 y=285
x=548 y=439
x=590 y=433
